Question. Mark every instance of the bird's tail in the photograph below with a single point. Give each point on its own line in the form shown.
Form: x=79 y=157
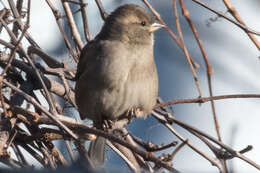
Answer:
x=97 y=152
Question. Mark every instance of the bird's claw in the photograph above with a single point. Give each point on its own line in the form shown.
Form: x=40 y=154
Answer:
x=134 y=113
x=139 y=113
x=107 y=124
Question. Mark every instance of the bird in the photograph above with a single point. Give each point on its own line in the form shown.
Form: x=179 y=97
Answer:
x=116 y=74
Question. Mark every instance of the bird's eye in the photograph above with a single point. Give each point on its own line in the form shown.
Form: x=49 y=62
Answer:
x=143 y=23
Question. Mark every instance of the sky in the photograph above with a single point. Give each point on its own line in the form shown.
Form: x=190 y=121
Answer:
x=234 y=58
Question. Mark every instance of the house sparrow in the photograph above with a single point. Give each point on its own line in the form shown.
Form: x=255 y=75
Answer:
x=116 y=73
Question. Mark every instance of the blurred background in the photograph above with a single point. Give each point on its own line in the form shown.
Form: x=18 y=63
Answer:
x=233 y=56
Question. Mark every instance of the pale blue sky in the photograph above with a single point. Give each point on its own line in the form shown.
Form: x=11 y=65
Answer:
x=234 y=59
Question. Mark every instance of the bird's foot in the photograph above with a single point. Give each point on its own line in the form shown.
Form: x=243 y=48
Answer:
x=134 y=113
x=130 y=114
x=107 y=124
x=139 y=113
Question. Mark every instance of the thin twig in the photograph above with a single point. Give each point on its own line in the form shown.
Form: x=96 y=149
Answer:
x=206 y=99
x=178 y=149
x=20 y=23
x=229 y=149
x=85 y=21
x=32 y=100
x=235 y=14
x=162 y=120
x=128 y=162
x=239 y=24
x=173 y=36
x=102 y=11
x=50 y=61
x=73 y=28
x=57 y=15
x=185 y=13
x=152 y=147
x=69 y=148
x=185 y=49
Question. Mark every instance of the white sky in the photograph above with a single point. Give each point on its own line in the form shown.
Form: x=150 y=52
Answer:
x=237 y=66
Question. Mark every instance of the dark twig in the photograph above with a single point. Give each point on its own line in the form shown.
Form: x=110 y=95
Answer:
x=85 y=21
x=185 y=13
x=150 y=147
x=147 y=156
x=32 y=100
x=52 y=85
x=239 y=24
x=229 y=149
x=235 y=14
x=20 y=23
x=128 y=162
x=206 y=99
x=178 y=149
x=185 y=49
x=101 y=9
x=50 y=61
x=173 y=36
x=70 y=151
x=57 y=15
x=73 y=28
x=164 y=121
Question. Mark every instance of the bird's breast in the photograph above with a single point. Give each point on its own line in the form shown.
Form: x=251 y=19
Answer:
x=123 y=78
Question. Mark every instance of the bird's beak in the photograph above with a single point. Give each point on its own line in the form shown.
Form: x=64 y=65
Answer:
x=155 y=26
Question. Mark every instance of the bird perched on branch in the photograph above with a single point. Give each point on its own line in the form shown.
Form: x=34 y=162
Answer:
x=116 y=74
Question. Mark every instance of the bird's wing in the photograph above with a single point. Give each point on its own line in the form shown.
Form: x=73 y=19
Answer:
x=102 y=76
x=87 y=51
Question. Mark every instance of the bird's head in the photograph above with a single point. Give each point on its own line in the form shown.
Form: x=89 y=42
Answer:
x=130 y=23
